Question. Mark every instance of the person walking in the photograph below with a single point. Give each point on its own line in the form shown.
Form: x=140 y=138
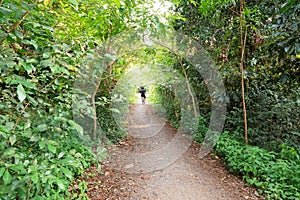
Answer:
x=142 y=90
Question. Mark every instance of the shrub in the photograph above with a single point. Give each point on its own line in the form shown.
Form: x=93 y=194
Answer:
x=275 y=174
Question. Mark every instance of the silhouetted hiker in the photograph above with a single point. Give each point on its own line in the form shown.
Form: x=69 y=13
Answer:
x=143 y=94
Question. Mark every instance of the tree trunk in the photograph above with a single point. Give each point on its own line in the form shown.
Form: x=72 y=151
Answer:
x=243 y=36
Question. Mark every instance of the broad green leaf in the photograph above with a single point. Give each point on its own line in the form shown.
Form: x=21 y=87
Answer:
x=9 y=152
x=78 y=155
x=74 y=2
x=42 y=127
x=76 y=126
x=46 y=55
x=287 y=6
x=55 y=69
x=28 y=68
x=12 y=140
x=12 y=36
x=61 y=154
x=21 y=93
x=3 y=129
x=49 y=28
x=10 y=64
x=64 y=70
x=42 y=144
x=2 y=170
x=19 y=34
x=3 y=36
x=31 y=60
x=5 y=11
x=9 y=126
x=31 y=42
x=35 y=178
x=28 y=6
x=46 y=63
x=52 y=148
x=33 y=101
x=26 y=83
x=60 y=184
x=18 y=168
x=7 y=178
x=67 y=172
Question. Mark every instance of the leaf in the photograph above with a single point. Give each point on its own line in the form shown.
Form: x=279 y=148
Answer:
x=35 y=178
x=4 y=131
x=61 y=154
x=60 y=184
x=114 y=110
x=33 y=101
x=2 y=170
x=76 y=126
x=67 y=172
x=47 y=2
x=3 y=36
x=19 y=34
x=31 y=42
x=18 y=168
x=72 y=68
x=46 y=63
x=42 y=144
x=74 y=2
x=42 y=127
x=118 y=2
x=5 y=11
x=12 y=36
x=7 y=178
x=52 y=148
x=12 y=140
x=21 y=93
x=26 y=83
x=287 y=6
x=28 y=67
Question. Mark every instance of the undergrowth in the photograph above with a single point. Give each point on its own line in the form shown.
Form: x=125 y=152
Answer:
x=277 y=175
x=42 y=165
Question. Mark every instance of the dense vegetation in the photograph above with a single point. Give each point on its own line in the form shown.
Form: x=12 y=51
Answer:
x=255 y=41
x=42 y=47
x=45 y=46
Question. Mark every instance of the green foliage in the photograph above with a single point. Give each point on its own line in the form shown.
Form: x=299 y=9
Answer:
x=267 y=107
x=109 y=123
x=41 y=49
x=202 y=130
x=275 y=174
x=167 y=99
x=271 y=72
x=287 y=26
x=40 y=162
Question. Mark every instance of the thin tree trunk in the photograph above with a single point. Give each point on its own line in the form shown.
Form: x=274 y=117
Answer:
x=243 y=36
x=94 y=107
x=190 y=91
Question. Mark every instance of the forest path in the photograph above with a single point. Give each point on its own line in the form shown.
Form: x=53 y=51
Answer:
x=158 y=162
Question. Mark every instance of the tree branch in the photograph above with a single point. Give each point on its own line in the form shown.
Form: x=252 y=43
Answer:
x=14 y=27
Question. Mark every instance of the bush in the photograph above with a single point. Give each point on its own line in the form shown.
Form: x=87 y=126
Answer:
x=273 y=117
x=275 y=174
x=40 y=165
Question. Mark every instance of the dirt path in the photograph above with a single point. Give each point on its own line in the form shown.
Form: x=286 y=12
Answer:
x=158 y=162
